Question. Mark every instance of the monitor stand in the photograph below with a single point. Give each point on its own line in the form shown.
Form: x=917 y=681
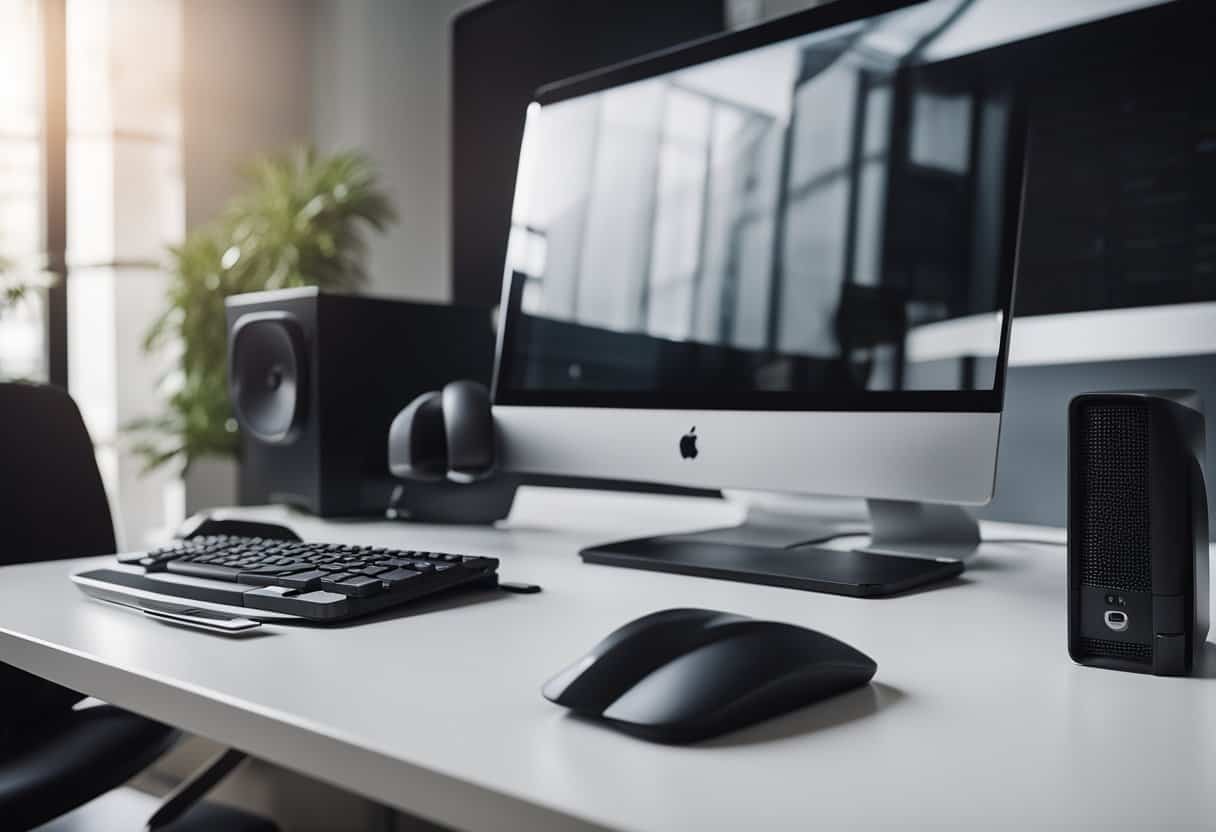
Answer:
x=911 y=545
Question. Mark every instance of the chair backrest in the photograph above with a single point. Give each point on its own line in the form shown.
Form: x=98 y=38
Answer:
x=52 y=506
x=52 y=501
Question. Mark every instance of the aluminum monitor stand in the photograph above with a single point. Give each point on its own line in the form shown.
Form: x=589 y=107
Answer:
x=911 y=545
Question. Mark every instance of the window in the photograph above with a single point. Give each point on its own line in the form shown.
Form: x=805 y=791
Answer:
x=90 y=198
x=24 y=343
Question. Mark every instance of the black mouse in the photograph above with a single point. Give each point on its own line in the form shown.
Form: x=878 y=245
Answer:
x=684 y=675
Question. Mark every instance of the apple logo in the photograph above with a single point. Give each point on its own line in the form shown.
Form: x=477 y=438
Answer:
x=688 y=444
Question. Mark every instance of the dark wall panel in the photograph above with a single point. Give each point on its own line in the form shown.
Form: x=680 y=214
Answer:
x=1121 y=186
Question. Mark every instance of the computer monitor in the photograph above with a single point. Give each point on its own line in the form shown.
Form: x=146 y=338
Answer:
x=771 y=260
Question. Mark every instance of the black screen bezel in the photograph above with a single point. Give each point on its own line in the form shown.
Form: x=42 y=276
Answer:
x=720 y=46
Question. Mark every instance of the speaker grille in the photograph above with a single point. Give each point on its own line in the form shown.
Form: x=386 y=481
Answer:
x=1117 y=649
x=1115 y=542
x=268 y=376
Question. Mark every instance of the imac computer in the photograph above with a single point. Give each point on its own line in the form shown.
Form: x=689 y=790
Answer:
x=780 y=259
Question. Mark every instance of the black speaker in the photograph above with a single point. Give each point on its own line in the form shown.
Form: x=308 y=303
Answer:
x=1137 y=531
x=316 y=379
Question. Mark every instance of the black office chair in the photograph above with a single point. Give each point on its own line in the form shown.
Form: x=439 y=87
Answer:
x=55 y=757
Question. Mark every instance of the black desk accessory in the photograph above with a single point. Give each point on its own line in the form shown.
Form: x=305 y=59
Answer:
x=444 y=435
x=518 y=588
x=683 y=675
x=276 y=573
x=258 y=568
x=442 y=447
x=1137 y=531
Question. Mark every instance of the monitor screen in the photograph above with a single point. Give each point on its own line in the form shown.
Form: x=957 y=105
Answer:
x=775 y=219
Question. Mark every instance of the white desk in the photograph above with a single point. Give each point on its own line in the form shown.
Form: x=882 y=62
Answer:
x=977 y=717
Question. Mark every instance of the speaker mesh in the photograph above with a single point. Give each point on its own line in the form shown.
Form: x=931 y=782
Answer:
x=1115 y=550
x=1117 y=649
x=268 y=377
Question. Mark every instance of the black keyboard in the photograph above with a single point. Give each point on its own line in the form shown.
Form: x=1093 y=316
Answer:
x=318 y=581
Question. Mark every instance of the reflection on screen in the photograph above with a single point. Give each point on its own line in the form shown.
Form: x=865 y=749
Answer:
x=820 y=214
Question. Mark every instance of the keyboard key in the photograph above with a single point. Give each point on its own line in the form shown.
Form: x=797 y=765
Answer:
x=397 y=576
x=317 y=580
x=302 y=580
x=321 y=597
x=202 y=570
x=358 y=585
x=273 y=568
x=267 y=576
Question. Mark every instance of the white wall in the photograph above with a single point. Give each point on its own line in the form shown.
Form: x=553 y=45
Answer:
x=246 y=86
x=381 y=84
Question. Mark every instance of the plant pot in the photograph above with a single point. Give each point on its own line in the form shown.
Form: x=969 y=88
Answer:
x=211 y=482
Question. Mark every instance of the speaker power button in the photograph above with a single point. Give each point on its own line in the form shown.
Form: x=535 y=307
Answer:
x=1116 y=620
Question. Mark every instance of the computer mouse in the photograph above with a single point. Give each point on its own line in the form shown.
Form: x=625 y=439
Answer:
x=683 y=675
x=202 y=525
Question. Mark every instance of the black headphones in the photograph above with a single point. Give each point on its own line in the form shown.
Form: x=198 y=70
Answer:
x=446 y=434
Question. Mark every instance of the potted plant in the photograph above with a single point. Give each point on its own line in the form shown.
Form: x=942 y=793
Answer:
x=300 y=221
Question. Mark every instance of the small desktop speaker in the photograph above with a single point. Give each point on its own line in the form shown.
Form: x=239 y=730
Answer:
x=1137 y=532
x=316 y=379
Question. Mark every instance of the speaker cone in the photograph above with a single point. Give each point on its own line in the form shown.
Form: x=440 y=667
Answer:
x=268 y=375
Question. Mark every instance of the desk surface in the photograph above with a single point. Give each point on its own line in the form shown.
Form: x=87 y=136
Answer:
x=977 y=716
